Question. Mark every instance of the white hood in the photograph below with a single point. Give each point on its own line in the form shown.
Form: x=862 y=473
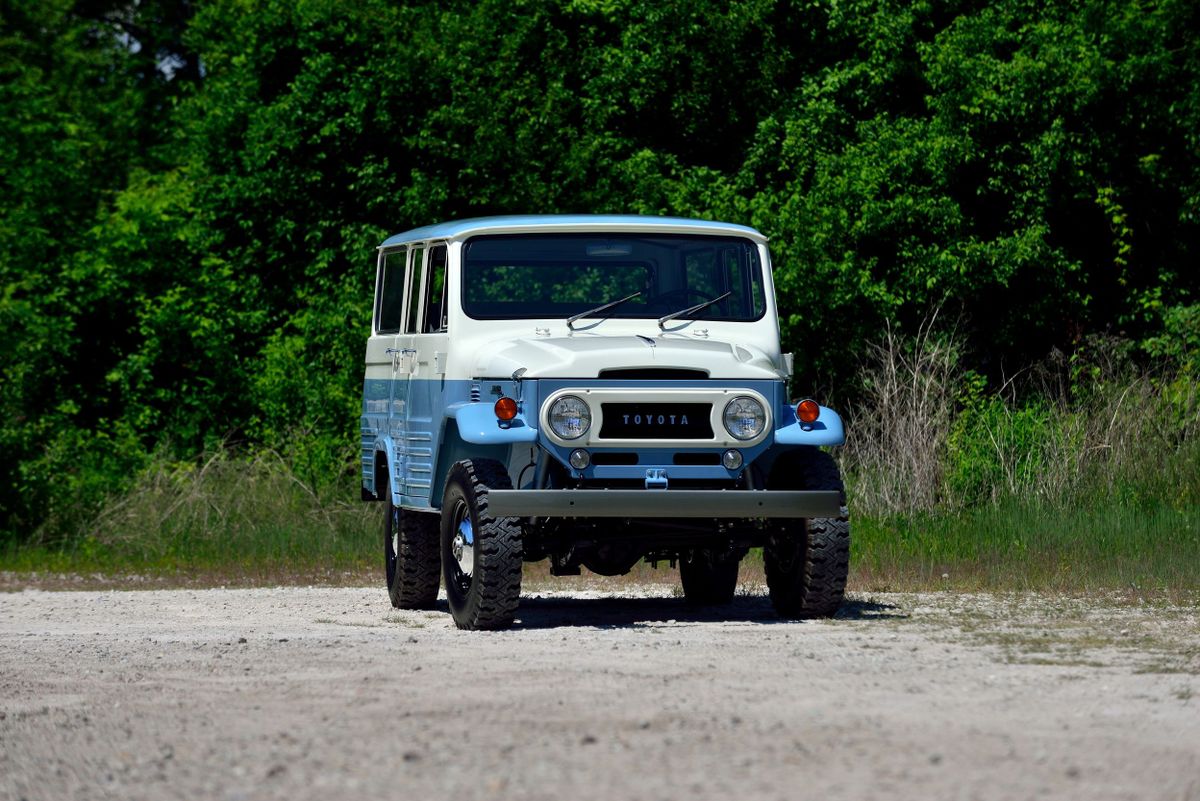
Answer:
x=587 y=356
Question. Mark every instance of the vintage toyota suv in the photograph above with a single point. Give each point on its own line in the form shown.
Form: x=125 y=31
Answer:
x=592 y=390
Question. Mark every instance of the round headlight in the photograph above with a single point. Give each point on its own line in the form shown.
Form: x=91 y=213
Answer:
x=570 y=417
x=745 y=418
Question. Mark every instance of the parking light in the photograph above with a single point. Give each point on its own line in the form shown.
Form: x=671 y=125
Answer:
x=506 y=409
x=807 y=411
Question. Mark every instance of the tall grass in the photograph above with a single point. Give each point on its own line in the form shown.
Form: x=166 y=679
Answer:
x=238 y=513
x=897 y=432
x=1075 y=475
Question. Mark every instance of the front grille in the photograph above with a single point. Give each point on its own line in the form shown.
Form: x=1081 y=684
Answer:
x=656 y=421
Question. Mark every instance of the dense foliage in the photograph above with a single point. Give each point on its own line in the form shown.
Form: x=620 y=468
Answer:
x=192 y=190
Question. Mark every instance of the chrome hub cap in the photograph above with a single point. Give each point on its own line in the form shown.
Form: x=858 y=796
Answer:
x=462 y=548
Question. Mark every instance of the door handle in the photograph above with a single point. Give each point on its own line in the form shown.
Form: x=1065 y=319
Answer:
x=398 y=355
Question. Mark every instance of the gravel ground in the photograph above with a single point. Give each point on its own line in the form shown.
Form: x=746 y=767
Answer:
x=299 y=693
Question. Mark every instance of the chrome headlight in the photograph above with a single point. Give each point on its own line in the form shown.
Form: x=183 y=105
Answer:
x=570 y=417
x=745 y=418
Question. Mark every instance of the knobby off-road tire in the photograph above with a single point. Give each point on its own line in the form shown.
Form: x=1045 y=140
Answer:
x=709 y=576
x=411 y=559
x=807 y=560
x=485 y=596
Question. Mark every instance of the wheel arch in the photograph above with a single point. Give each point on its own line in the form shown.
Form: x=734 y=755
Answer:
x=383 y=477
x=453 y=448
x=381 y=474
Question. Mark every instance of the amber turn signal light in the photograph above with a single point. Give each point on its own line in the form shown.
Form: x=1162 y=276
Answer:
x=506 y=409
x=807 y=411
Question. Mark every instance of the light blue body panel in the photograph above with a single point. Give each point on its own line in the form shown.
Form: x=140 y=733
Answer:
x=415 y=429
x=478 y=425
x=825 y=430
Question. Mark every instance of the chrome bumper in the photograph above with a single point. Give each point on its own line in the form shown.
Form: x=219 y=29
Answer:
x=663 y=503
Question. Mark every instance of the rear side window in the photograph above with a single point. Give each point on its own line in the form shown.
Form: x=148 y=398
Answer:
x=391 y=292
x=414 y=290
x=435 y=291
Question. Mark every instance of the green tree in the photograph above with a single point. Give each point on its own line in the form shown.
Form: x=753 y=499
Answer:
x=81 y=103
x=191 y=193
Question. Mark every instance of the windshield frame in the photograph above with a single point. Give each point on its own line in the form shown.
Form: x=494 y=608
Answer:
x=748 y=270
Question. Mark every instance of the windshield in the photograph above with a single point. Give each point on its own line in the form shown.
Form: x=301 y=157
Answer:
x=518 y=276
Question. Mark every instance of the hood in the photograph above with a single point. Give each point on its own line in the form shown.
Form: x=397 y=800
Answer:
x=588 y=356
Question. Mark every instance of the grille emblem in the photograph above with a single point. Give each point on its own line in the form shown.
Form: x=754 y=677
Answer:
x=662 y=419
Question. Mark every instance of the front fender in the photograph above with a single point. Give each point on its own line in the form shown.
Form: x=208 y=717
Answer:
x=478 y=425
x=825 y=430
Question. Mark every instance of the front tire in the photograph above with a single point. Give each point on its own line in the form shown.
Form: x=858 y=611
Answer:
x=807 y=560
x=709 y=576
x=410 y=553
x=481 y=554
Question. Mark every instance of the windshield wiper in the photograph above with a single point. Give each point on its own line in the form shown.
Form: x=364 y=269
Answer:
x=662 y=321
x=571 y=320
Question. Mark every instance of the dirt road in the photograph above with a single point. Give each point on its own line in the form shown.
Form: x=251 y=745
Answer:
x=299 y=693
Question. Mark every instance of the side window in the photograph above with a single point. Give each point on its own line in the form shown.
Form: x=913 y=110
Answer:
x=435 y=291
x=414 y=290
x=391 y=293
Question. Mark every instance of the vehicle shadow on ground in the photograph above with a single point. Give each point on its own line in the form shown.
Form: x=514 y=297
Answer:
x=604 y=613
x=869 y=610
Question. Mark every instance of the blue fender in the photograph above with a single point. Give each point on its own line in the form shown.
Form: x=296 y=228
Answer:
x=478 y=425
x=826 y=430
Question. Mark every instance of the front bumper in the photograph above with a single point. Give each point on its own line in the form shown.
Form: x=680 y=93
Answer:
x=663 y=503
